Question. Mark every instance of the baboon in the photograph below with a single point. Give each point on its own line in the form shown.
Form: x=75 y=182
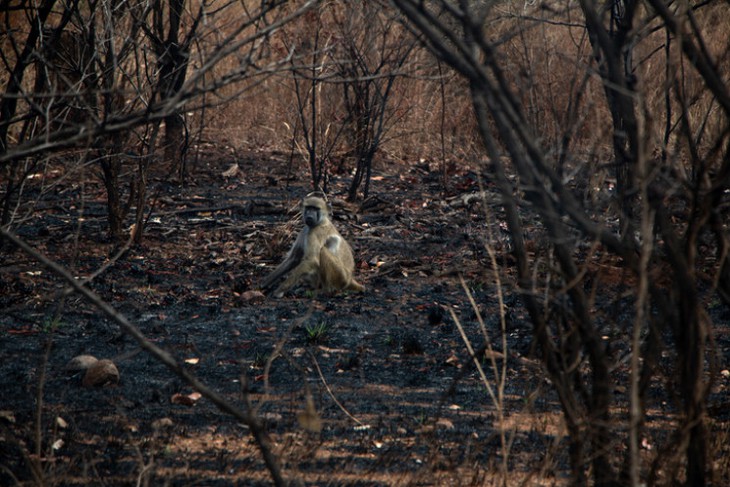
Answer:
x=320 y=258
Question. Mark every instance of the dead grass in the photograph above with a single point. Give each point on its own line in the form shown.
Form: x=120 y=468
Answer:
x=550 y=68
x=548 y=58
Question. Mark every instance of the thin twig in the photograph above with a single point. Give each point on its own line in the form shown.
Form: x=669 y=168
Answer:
x=253 y=423
x=332 y=395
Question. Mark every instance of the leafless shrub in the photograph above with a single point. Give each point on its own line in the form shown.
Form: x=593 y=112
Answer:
x=89 y=82
x=560 y=298
x=246 y=416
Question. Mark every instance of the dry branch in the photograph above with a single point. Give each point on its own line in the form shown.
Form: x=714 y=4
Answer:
x=250 y=420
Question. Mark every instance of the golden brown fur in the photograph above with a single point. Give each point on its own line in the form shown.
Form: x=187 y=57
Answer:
x=320 y=257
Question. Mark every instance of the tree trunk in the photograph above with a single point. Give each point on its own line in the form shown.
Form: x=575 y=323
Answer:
x=612 y=50
x=172 y=60
x=9 y=103
x=111 y=168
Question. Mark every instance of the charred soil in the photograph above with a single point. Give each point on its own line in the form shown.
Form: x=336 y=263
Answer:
x=397 y=397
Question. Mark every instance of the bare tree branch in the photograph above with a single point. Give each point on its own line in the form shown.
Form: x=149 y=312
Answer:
x=164 y=357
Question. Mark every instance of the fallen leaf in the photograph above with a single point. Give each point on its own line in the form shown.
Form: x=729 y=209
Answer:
x=8 y=416
x=23 y=331
x=253 y=296
x=162 y=423
x=181 y=399
x=309 y=418
x=453 y=360
x=645 y=444
x=185 y=399
x=493 y=355
x=231 y=171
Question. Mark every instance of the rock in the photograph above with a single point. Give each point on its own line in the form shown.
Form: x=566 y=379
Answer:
x=101 y=373
x=80 y=362
x=162 y=424
x=411 y=344
x=436 y=314
x=253 y=296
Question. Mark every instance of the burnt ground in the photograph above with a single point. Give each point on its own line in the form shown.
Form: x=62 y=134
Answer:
x=387 y=370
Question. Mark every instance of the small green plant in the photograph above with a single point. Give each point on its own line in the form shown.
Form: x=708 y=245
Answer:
x=50 y=325
x=477 y=287
x=316 y=333
x=259 y=359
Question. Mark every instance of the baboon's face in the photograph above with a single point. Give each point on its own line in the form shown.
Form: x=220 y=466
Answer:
x=314 y=212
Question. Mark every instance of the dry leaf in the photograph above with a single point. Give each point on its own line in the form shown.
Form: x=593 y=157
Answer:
x=181 y=399
x=254 y=296
x=493 y=355
x=162 y=423
x=185 y=399
x=309 y=418
x=8 y=416
x=453 y=360
x=231 y=171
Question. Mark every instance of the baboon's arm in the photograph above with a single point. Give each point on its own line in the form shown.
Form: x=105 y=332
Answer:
x=304 y=273
x=293 y=258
